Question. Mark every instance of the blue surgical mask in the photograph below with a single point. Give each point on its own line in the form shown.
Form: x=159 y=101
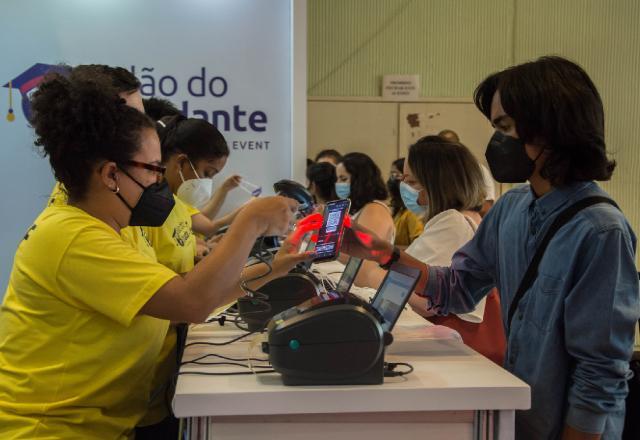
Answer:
x=410 y=198
x=343 y=189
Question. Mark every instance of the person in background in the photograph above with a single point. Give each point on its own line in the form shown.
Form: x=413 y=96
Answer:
x=331 y=156
x=490 y=186
x=125 y=82
x=322 y=182
x=157 y=108
x=570 y=335
x=408 y=226
x=93 y=310
x=360 y=180
x=450 y=136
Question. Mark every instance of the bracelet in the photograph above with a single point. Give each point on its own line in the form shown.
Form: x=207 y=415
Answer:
x=395 y=256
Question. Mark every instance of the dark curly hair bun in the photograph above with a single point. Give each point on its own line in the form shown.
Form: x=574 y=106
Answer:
x=80 y=122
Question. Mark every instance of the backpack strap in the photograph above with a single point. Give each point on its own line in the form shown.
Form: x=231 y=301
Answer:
x=532 y=271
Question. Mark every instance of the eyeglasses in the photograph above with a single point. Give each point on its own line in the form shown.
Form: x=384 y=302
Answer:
x=159 y=169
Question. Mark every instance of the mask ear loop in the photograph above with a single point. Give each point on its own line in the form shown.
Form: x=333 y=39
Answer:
x=193 y=168
x=538 y=156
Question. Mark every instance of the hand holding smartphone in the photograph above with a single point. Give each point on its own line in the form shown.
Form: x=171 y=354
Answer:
x=330 y=235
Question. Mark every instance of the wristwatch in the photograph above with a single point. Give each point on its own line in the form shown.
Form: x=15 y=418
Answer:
x=395 y=256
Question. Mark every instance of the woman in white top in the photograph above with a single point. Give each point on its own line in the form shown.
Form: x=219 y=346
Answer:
x=443 y=184
x=360 y=180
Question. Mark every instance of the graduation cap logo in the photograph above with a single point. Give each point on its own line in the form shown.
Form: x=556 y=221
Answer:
x=26 y=82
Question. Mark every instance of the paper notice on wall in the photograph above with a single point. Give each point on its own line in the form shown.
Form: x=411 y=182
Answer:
x=401 y=87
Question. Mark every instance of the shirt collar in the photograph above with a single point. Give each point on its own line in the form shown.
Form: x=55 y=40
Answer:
x=555 y=198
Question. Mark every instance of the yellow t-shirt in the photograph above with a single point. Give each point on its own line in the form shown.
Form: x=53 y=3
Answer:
x=174 y=242
x=75 y=357
x=408 y=227
x=137 y=236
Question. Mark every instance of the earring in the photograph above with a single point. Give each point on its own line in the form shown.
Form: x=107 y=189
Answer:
x=117 y=190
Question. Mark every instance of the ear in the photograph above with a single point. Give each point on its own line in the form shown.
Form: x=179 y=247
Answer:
x=182 y=160
x=109 y=176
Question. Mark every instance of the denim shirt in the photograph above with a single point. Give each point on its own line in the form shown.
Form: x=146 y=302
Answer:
x=572 y=335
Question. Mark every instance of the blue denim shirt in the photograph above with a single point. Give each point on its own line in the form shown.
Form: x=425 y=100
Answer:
x=572 y=335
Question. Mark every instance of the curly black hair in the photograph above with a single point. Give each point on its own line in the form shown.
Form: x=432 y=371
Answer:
x=552 y=100
x=196 y=138
x=121 y=79
x=81 y=121
x=366 y=180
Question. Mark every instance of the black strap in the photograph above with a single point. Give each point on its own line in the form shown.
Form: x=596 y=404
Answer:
x=532 y=271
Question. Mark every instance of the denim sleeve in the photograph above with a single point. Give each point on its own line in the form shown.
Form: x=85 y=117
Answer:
x=458 y=288
x=600 y=314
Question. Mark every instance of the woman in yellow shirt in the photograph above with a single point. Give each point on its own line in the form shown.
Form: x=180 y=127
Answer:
x=193 y=151
x=85 y=314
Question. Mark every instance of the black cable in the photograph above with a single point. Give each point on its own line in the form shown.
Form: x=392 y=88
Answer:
x=389 y=369
x=237 y=364
x=259 y=257
x=227 y=358
x=231 y=341
x=233 y=373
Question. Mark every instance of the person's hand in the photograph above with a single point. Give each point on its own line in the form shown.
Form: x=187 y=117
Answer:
x=230 y=183
x=419 y=305
x=273 y=216
x=359 y=242
x=288 y=256
x=202 y=249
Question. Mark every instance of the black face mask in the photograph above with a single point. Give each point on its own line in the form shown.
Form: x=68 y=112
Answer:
x=153 y=207
x=508 y=159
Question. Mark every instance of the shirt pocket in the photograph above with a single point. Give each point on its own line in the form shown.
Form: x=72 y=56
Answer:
x=545 y=302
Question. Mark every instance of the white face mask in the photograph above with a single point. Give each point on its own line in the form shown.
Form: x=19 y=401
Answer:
x=195 y=192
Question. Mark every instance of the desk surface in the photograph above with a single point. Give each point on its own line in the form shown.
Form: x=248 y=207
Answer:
x=447 y=376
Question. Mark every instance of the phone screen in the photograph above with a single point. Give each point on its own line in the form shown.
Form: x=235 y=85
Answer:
x=330 y=235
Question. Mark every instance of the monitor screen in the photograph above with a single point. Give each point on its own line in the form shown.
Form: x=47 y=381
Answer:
x=392 y=297
x=349 y=274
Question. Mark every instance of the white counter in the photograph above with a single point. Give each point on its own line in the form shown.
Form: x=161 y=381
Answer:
x=451 y=385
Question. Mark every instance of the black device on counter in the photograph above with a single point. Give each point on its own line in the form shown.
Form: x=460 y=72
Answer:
x=330 y=234
x=296 y=191
x=285 y=292
x=338 y=338
x=275 y=296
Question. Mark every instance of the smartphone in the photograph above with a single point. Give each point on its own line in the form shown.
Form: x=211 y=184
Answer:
x=330 y=234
